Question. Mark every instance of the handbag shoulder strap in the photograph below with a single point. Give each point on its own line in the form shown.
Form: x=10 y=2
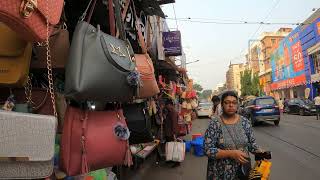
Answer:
x=111 y=18
x=232 y=138
x=119 y=22
x=140 y=36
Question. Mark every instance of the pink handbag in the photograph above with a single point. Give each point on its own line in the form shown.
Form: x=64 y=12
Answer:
x=91 y=140
x=28 y=17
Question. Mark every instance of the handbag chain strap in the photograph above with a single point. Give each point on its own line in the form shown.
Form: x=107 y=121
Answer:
x=49 y=65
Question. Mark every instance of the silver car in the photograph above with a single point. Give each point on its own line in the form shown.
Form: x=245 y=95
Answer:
x=204 y=109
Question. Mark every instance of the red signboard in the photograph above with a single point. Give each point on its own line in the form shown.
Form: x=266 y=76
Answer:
x=289 y=82
x=297 y=58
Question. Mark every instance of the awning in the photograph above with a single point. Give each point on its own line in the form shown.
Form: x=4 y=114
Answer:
x=314 y=49
x=150 y=7
x=165 y=1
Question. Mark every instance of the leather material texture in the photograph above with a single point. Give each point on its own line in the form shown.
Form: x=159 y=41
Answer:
x=15 y=56
x=139 y=123
x=149 y=83
x=102 y=147
x=34 y=27
x=27 y=136
x=98 y=60
x=59 y=51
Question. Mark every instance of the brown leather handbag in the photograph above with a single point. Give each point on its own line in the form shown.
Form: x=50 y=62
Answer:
x=145 y=66
x=93 y=140
x=59 y=48
x=15 y=56
x=28 y=17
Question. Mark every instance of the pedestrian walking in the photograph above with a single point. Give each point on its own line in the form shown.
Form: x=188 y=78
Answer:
x=216 y=108
x=281 y=106
x=317 y=103
x=228 y=141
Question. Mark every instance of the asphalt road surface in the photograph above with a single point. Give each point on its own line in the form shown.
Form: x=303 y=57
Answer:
x=295 y=147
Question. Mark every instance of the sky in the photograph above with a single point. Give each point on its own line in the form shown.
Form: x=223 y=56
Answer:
x=215 y=45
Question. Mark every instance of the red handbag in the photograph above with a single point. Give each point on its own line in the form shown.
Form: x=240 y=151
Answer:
x=90 y=140
x=145 y=66
x=28 y=17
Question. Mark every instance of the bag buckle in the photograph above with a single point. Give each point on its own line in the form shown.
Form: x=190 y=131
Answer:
x=27 y=7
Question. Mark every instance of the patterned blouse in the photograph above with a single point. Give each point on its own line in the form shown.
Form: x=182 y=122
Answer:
x=222 y=136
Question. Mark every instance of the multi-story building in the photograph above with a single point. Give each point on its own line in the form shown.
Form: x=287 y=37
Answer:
x=260 y=51
x=233 y=77
x=219 y=88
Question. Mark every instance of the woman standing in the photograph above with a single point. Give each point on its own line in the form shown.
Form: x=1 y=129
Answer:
x=228 y=141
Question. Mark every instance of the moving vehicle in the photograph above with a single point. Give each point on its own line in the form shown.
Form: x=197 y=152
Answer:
x=301 y=107
x=262 y=109
x=204 y=109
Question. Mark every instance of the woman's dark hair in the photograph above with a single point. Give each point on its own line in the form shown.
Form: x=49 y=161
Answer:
x=228 y=93
x=215 y=99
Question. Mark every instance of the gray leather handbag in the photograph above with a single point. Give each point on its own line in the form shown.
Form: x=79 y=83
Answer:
x=27 y=145
x=100 y=66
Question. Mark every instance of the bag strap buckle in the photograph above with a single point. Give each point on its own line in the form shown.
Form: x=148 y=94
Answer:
x=27 y=8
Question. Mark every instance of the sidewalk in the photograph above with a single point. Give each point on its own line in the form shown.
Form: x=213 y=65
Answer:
x=193 y=168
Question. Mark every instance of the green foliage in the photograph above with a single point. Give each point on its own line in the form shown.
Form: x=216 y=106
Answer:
x=250 y=84
x=197 y=87
x=206 y=94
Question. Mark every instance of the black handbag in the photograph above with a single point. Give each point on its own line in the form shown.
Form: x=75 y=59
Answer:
x=139 y=123
x=100 y=66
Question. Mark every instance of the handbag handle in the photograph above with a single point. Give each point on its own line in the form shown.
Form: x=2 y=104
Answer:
x=140 y=36
x=114 y=16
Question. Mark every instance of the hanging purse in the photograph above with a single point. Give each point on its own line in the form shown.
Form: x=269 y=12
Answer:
x=175 y=151
x=15 y=56
x=28 y=140
x=93 y=140
x=28 y=17
x=144 y=65
x=139 y=123
x=100 y=66
x=59 y=48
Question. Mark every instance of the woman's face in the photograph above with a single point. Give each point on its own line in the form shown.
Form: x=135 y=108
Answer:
x=230 y=105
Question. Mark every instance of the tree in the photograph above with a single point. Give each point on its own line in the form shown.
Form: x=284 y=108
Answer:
x=197 y=87
x=206 y=94
x=250 y=84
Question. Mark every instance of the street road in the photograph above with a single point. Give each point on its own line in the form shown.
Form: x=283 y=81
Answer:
x=295 y=147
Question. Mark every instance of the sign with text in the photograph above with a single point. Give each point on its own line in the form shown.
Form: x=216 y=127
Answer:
x=297 y=58
x=172 y=43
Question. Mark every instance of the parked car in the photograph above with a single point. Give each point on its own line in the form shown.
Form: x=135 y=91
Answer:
x=262 y=109
x=204 y=109
x=301 y=107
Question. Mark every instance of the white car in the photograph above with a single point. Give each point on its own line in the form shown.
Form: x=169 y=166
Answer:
x=204 y=109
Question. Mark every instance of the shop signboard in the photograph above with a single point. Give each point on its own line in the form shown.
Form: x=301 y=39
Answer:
x=172 y=43
x=287 y=63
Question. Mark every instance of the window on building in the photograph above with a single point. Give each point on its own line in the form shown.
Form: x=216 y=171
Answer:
x=273 y=41
x=316 y=61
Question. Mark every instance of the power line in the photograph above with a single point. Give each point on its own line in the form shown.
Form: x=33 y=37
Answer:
x=234 y=23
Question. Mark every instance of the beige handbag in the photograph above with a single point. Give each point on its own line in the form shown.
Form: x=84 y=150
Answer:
x=184 y=104
x=175 y=151
x=189 y=106
x=27 y=145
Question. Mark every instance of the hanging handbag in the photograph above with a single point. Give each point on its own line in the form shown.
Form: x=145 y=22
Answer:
x=139 y=123
x=59 y=48
x=28 y=17
x=15 y=56
x=27 y=141
x=92 y=140
x=175 y=151
x=100 y=66
x=144 y=65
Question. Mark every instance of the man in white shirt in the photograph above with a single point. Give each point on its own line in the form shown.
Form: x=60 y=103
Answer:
x=317 y=103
